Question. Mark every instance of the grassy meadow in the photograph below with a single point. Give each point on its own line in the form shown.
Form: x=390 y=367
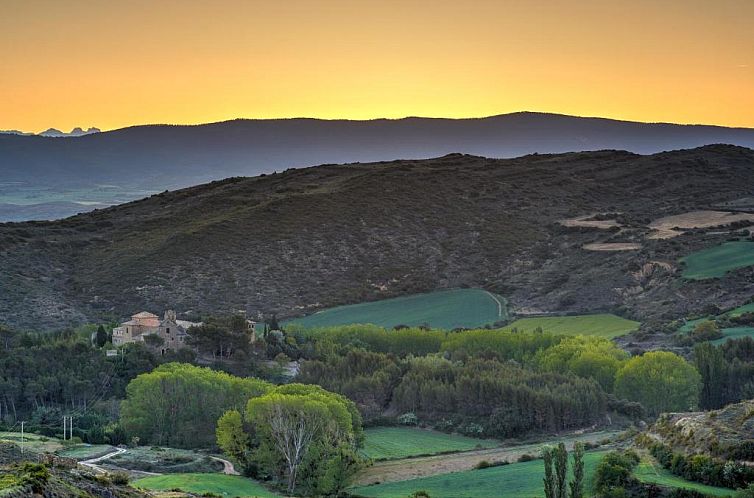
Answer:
x=446 y=309
x=219 y=484
x=33 y=442
x=603 y=325
x=717 y=261
x=517 y=480
x=86 y=451
x=388 y=443
x=651 y=472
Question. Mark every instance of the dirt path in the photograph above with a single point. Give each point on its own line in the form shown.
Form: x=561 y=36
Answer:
x=92 y=463
x=412 y=468
x=228 y=467
x=499 y=304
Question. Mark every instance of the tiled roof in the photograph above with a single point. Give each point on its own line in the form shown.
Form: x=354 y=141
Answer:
x=144 y=314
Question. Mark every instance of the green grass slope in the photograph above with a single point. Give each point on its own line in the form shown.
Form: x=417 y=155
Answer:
x=219 y=484
x=518 y=480
x=445 y=309
x=388 y=443
x=86 y=451
x=603 y=325
x=717 y=261
x=650 y=472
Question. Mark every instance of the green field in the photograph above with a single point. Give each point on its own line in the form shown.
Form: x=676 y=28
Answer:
x=86 y=451
x=717 y=261
x=388 y=443
x=649 y=471
x=448 y=309
x=746 y=308
x=734 y=333
x=33 y=442
x=603 y=325
x=517 y=480
x=219 y=484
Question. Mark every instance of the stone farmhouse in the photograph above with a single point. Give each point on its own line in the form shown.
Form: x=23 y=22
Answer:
x=171 y=330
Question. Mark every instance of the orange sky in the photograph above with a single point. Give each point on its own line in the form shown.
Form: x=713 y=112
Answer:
x=95 y=63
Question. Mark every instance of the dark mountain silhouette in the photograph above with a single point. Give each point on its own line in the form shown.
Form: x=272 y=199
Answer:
x=166 y=156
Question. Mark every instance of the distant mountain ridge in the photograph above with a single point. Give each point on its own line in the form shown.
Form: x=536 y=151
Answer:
x=76 y=132
x=170 y=156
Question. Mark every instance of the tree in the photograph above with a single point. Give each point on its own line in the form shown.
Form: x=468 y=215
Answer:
x=101 y=337
x=231 y=437
x=561 y=470
x=549 y=479
x=178 y=404
x=660 y=381
x=586 y=356
x=221 y=336
x=710 y=363
x=577 y=484
x=305 y=427
x=556 y=471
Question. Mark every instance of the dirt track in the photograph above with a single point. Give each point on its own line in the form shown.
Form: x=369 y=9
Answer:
x=412 y=468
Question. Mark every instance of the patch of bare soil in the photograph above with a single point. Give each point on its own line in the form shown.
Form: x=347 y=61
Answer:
x=612 y=246
x=413 y=468
x=589 y=221
x=667 y=227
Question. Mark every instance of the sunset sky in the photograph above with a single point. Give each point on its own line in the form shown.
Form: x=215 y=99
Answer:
x=120 y=63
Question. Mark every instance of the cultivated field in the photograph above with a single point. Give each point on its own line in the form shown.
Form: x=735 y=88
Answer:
x=413 y=468
x=717 y=261
x=517 y=480
x=388 y=443
x=746 y=308
x=219 y=484
x=649 y=471
x=664 y=228
x=446 y=309
x=734 y=333
x=612 y=246
x=604 y=325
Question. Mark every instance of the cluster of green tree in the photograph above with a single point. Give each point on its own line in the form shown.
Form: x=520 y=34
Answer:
x=727 y=372
x=503 y=398
x=178 y=404
x=402 y=342
x=478 y=396
x=43 y=376
x=556 y=471
x=614 y=478
x=660 y=381
x=300 y=435
x=376 y=371
x=703 y=468
x=221 y=337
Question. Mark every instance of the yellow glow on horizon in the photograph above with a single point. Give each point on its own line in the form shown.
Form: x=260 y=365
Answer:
x=114 y=64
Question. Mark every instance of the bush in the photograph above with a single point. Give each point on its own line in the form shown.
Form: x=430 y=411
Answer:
x=119 y=478
x=408 y=419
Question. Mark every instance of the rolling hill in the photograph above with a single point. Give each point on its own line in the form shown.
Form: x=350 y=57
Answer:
x=296 y=242
x=159 y=157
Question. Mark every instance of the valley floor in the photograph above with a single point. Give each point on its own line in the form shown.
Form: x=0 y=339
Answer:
x=413 y=468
